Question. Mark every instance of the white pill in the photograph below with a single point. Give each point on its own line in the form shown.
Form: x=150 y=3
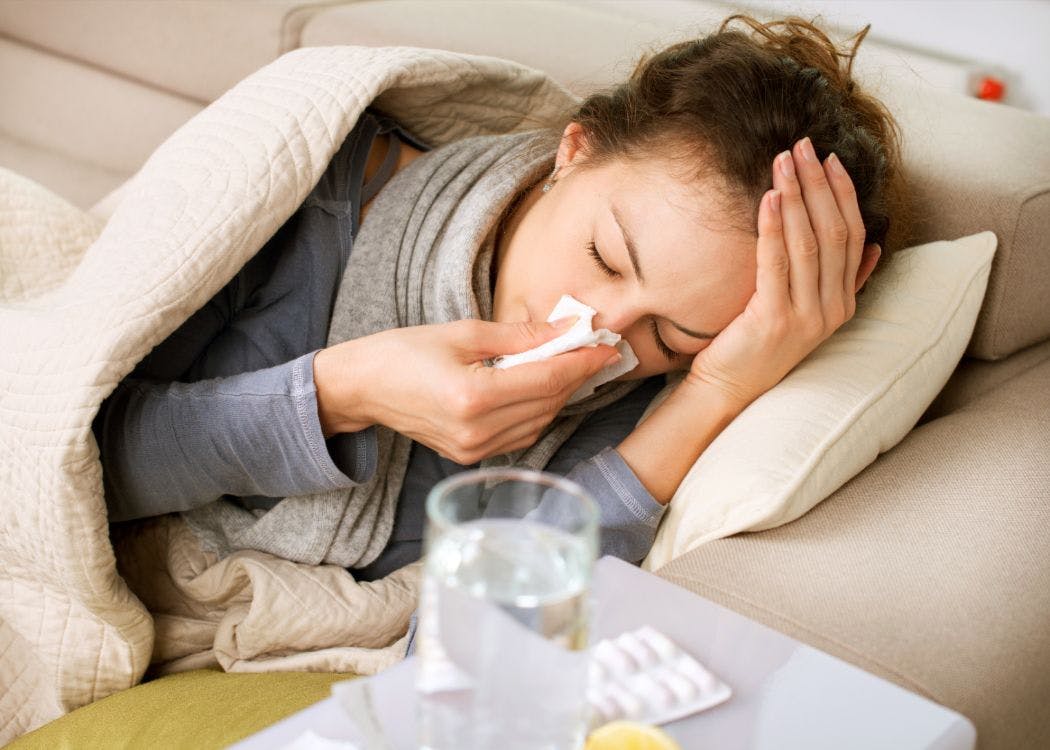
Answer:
x=701 y=677
x=683 y=689
x=606 y=708
x=658 y=642
x=641 y=653
x=630 y=706
x=597 y=672
x=652 y=692
x=613 y=659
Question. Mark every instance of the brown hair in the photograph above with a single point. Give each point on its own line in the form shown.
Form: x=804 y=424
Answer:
x=734 y=101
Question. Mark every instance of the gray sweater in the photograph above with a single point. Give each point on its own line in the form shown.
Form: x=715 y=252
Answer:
x=226 y=406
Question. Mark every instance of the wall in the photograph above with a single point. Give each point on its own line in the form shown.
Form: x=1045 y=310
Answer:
x=1008 y=37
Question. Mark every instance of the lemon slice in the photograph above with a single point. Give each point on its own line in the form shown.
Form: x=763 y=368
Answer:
x=630 y=735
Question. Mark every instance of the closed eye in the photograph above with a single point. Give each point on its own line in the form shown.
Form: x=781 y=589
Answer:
x=592 y=250
x=670 y=354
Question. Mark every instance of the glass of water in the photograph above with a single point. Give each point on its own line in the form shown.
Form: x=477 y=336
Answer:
x=505 y=612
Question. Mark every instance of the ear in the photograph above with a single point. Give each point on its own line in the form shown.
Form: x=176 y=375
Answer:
x=868 y=259
x=573 y=146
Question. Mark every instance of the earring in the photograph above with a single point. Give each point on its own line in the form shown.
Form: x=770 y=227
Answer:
x=550 y=180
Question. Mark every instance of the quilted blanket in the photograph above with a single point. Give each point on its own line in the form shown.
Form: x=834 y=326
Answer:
x=84 y=613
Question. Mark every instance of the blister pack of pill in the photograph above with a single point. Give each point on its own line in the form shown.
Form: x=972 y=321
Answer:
x=642 y=675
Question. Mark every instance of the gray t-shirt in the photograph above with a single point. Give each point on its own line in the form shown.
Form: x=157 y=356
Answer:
x=226 y=406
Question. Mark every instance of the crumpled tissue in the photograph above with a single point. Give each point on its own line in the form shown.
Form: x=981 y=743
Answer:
x=581 y=334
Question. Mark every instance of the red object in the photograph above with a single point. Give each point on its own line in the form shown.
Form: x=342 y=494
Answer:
x=990 y=88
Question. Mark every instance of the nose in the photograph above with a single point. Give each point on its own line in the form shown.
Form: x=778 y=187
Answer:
x=616 y=315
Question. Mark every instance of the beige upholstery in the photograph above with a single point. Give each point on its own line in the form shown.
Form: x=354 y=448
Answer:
x=603 y=55
x=104 y=126
x=974 y=378
x=930 y=568
x=966 y=174
x=84 y=181
x=196 y=49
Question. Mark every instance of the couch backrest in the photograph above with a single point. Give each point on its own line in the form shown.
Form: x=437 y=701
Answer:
x=972 y=165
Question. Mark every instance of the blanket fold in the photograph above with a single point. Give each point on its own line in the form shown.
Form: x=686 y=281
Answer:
x=78 y=310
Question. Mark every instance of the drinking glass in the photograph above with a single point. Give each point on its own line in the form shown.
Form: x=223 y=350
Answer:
x=505 y=612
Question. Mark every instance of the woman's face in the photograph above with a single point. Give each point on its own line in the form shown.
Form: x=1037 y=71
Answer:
x=690 y=272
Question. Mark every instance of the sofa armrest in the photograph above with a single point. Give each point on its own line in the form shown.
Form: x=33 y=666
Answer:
x=928 y=569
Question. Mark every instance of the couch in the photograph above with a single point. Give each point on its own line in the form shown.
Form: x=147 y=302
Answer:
x=928 y=568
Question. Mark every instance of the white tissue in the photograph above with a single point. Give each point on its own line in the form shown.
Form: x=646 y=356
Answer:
x=579 y=335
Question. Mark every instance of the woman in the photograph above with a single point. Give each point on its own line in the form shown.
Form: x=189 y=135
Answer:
x=648 y=212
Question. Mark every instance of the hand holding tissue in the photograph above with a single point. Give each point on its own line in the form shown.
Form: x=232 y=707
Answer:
x=581 y=334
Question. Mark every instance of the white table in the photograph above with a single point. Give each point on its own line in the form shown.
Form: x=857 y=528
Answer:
x=786 y=695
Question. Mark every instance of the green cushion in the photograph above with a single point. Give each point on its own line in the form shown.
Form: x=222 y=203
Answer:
x=205 y=708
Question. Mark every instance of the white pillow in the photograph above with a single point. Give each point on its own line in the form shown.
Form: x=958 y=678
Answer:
x=854 y=397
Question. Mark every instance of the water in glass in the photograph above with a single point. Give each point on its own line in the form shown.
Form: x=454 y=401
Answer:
x=503 y=637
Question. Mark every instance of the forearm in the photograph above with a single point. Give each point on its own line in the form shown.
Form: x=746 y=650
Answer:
x=663 y=448
x=173 y=446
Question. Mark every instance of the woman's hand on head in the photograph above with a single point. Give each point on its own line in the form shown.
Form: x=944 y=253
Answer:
x=430 y=384
x=811 y=262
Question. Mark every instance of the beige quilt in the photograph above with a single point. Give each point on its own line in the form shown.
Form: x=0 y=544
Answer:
x=82 y=617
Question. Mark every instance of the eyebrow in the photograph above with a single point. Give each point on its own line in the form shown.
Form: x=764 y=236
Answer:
x=632 y=252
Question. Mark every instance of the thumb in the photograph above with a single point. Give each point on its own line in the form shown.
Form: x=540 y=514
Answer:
x=493 y=339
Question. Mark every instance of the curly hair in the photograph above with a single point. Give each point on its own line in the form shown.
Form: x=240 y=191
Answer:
x=729 y=102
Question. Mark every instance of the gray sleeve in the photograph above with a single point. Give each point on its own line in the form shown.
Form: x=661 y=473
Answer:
x=169 y=447
x=628 y=511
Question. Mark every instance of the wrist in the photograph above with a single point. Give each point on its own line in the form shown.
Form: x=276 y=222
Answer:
x=663 y=447
x=341 y=380
x=731 y=399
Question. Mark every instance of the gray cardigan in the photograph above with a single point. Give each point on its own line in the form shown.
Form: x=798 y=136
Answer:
x=226 y=406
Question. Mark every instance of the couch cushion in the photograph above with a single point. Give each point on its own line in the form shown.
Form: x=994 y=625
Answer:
x=205 y=708
x=856 y=396
x=554 y=43
x=928 y=569
x=81 y=183
x=197 y=49
x=78 y=130
x=975 y=166
x=974 y=377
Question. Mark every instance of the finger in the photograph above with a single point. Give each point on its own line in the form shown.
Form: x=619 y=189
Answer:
x=868 y=261
x=846 y=197
x=513 y=422
x=482 y=339
x=502 y=418
x=827 y=222
x=771 y=281
x=801 y=243
x=520 y=435
x=548 y=377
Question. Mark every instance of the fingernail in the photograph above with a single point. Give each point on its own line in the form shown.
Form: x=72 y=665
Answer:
x=565 y=323
x=807 y=150
x=836 y=165
x=787 y=166
x=774 y=201
x=616 y=357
